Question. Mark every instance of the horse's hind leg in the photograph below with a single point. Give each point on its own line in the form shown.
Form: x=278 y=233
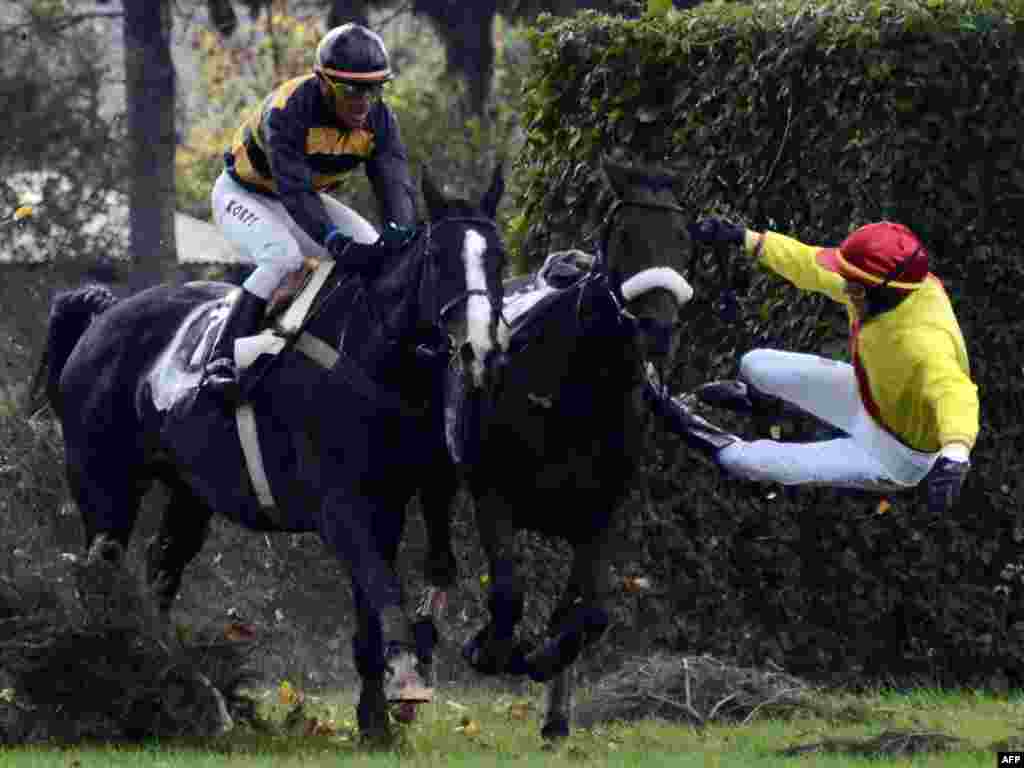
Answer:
x=108 y=496
x=184 y=526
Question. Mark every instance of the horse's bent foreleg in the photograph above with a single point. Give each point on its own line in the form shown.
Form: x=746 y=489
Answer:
x=184 y=526
x=580 y=618
x=494 y=649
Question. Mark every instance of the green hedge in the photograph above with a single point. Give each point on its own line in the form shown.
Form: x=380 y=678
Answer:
x=812 y=118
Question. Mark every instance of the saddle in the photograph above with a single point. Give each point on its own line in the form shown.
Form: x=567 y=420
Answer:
x=286 y=311
x=564 y=269
x=528 y=299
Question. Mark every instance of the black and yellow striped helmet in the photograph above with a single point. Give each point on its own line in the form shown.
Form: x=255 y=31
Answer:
x=352 y=53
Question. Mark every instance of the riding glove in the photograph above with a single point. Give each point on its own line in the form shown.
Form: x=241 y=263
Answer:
x=944 y=483
x=362 y=259
x=337 y=243
x=716 y=231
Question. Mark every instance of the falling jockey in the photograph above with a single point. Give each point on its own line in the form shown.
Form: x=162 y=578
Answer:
x=906 y=406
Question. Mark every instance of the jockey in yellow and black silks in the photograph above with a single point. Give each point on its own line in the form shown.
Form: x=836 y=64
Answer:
x=905 y=405
x=270 y=199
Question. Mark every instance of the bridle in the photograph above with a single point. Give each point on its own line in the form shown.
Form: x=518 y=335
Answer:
x=653 y=377
x=619 y=205
x=444 y=347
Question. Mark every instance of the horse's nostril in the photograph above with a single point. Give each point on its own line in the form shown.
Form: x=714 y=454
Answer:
x=466 y=353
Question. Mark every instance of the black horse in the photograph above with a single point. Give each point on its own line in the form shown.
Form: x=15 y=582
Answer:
x=350 y=417
x=568 y=430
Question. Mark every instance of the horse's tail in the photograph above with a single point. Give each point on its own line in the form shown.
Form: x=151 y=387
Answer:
x=70 y=314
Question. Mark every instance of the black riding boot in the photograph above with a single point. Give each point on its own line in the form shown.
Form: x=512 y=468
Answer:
x=740 y=397
x=699 y=433
x=243 y=319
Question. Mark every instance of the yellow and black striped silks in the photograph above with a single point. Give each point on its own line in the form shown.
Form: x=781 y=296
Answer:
x=292 y=147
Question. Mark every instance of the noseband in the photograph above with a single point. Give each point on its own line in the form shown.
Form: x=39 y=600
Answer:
x=444 y=349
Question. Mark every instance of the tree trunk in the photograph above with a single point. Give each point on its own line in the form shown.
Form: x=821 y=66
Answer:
x=466 y=29
x=223 y=16
x=149 y=92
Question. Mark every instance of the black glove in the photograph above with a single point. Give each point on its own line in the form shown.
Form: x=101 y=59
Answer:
x=716 y=231
x=393 y=237
x=944 y=483
x=336 y=244
x=360 y=258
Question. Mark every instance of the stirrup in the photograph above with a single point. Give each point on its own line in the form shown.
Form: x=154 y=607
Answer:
x=223 y=379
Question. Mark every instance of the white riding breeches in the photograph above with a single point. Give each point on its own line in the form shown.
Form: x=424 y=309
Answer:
x=870 y=458
x=267 y=236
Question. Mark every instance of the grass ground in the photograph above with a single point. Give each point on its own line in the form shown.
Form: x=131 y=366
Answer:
x=463 y=728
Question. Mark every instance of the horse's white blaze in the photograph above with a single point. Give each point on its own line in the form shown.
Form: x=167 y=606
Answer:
x=478 y=307
x=658 y=277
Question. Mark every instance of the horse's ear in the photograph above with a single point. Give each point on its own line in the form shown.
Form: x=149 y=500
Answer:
x=432 y=195
x=491 y=198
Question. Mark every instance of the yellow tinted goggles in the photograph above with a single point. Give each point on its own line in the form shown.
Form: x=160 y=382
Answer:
x=347 y=90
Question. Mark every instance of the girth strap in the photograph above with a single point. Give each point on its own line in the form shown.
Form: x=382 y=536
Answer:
x=317 y=350
x=326 y=356
x=245 y=417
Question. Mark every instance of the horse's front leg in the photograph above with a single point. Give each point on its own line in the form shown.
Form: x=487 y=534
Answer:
x=365 y=533
x=495 y=650
x=579 y=620
x=439 y=488
x=438 y=491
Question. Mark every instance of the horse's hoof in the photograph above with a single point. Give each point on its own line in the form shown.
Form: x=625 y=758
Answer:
x=372 y=716
x=403 y=682
x=555 y=729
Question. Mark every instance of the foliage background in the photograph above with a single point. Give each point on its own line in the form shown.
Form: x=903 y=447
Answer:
x=809 y=118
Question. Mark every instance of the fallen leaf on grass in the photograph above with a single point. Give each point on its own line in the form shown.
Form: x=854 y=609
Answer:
x=519 y=711
x=237 y=632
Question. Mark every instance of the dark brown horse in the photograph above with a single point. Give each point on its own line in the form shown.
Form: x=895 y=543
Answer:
x=563 y=444
x=350 y=416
